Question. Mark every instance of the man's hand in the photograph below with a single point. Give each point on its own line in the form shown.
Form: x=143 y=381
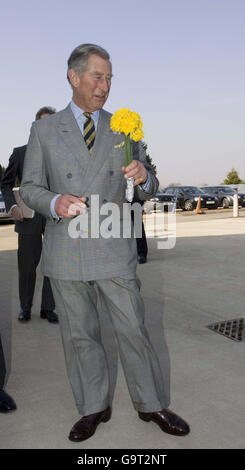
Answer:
x=17 y=214
x=69 y=206
x=137 y=170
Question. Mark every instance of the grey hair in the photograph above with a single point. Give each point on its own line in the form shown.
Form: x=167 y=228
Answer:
x=78 y=60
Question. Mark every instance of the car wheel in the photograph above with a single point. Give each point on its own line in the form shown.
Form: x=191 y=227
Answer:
x=225 y=203
x=188 y=206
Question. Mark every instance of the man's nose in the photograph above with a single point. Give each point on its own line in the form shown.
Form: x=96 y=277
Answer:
x=104 y=85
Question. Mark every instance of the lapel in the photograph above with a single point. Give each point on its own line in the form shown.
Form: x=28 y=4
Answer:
x=71 y=135
x=101 y=149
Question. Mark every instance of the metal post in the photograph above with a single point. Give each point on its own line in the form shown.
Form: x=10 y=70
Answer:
x=235 y=206
x=154 y=220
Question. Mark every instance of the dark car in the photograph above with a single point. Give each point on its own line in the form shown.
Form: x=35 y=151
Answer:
x=3 y=214
x=161 y=202
x=225 y=195
x=187 y=197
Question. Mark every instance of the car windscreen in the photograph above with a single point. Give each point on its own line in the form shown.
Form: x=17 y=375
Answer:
x=193 y=190
x=227 y=190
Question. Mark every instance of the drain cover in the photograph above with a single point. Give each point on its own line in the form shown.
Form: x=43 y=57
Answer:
x=233 y=329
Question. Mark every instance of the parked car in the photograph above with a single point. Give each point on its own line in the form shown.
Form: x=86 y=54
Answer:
x=187 y=197
x=3 y=214
x=161 y=202
x=225 y=195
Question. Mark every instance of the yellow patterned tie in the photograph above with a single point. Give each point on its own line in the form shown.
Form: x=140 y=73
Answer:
x=89 y=132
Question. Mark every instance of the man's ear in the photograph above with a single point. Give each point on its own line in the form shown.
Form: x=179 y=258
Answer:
x=74 y=78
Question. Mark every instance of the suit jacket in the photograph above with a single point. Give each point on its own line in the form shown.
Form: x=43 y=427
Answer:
x=58 y=162
x=15 y=169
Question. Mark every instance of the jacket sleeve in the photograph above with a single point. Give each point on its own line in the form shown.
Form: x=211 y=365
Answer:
x=8 y=180
x=139 y=193
x=34 y=188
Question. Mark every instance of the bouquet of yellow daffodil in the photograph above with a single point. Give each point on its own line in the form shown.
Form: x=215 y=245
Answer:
x=128 y=123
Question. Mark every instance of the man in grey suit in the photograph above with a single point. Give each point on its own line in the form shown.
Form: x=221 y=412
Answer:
x=62 y=172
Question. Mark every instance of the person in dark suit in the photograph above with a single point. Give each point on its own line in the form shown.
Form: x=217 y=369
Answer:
x=6 y=401
x=30 y=232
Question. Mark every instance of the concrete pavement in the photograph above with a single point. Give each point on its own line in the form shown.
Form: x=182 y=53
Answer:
x=198 y=282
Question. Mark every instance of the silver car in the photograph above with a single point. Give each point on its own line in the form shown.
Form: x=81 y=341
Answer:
x=161 y=202
x=225 y=194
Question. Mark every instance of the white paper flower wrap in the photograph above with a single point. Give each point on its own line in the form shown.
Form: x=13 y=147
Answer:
x=129 y=193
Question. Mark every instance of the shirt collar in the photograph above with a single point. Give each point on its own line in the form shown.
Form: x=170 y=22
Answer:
x=78 y=112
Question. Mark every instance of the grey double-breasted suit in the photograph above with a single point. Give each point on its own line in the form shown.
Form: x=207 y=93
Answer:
x=58 y=162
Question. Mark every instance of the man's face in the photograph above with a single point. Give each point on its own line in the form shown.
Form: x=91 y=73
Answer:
x=91 y=89
x=44 y=115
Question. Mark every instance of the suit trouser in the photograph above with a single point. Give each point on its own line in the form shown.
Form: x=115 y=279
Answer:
x=29 y=253
x=84 y=353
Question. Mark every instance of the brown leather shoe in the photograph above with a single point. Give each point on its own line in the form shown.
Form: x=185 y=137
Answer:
x=168 y=421
x=86 y=426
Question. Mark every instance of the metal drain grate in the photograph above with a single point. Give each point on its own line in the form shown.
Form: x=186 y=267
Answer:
x=233 y=329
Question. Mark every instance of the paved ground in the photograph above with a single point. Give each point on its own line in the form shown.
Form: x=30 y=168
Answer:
x=198 y=282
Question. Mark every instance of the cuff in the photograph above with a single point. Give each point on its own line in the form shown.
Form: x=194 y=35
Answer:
x=52 y=210
x=146 y=186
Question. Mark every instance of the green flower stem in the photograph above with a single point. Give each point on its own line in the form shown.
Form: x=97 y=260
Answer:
x=128 y=150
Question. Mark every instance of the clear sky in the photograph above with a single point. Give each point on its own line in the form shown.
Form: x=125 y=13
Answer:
x=179 y=63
